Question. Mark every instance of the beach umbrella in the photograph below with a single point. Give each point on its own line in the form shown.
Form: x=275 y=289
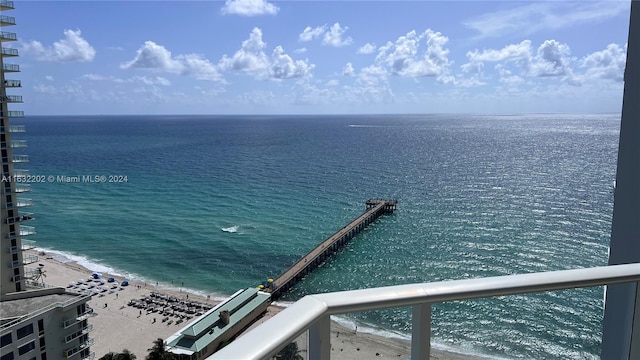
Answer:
x=111 y=279
x=125 y=283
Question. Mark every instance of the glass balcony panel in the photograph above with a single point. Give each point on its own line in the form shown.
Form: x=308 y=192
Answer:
x=7 y=20
x=6 y=5
x=20 y=158
x=15 y=114
x=12 y=83
x=9 y=52
x=9 y=36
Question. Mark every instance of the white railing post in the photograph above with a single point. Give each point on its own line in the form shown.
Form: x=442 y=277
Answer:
x=320 y=339
x=421 y=331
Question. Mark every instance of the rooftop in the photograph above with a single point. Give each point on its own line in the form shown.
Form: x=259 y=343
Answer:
x=210 y=326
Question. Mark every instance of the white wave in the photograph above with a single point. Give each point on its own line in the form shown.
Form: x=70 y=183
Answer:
x=92 y=266
x=232 y=229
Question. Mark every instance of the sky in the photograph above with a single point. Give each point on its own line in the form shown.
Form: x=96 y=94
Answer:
x=319 y=57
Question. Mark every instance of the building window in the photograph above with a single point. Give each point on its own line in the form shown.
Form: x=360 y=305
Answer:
x=24 y=331
x=43 y=356
x=8 y=356
x=41 y=326
x=26 y=348
x=41 y=342
x=5 y=340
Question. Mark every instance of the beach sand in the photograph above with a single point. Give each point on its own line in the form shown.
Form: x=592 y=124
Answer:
x=117 y=326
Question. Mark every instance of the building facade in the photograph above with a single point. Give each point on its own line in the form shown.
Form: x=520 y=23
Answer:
x=36 y=321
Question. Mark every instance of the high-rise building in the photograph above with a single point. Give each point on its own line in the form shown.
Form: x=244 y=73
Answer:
x=36 y=321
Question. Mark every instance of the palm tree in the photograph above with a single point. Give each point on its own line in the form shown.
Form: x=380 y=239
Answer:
x=289 y=352
x=158 y=352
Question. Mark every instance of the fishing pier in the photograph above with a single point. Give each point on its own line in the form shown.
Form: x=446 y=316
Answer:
x=318 y=255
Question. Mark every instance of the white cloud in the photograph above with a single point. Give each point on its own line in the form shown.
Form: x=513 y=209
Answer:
x=334 y=37
x=310 y=33
x=371 y=86
x=72 y=48
x=403 y=58
x=549 y=15
x=284 y=67
x=333 y=82
x=156 y=57
x=252 y=60
x=507 y=77
x=158 y=80
x=552 y=59
x=249 y=7
x=606 y=64
x=300 y=50
x=45 y=89
x=367 y=48
x=331 y=36
x=49 y=77
x=348 y=70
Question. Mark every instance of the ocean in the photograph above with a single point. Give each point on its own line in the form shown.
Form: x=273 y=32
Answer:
x=212 y=204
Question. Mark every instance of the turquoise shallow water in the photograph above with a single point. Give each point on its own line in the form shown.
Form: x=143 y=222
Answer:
x=221 y=203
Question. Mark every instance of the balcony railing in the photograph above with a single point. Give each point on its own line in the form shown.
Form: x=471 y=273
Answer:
x=12 y=98
x=15 y=114
x=313 y=312
x=18 y=143
x=6 y=5
x=7 y=20
x=84 y=316
x=26 y=260
x=16 y=159
x=77 y=334
x=26 y=245
x=19 y=218
x=8 y=36
x=24 y=231
x=71 y=352
x=13 y=129
x=20 y=158
x=9 y=52
x=22 y=188
x=12 y=83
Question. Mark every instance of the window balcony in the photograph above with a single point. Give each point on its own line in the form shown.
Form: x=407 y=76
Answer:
x=20 y=159
x=12 y=83
x=19 y=218
x=26 y=245
x=7 y=52
x=84 y=316
x=7 y=20
x=16 y=159
x=8 y=36
x=6 y=5
x=26 y=260
x=24 y=231
x=71 y=352
x=13 y=129
x=15 y=114
x=11 y=98
x=77 y=334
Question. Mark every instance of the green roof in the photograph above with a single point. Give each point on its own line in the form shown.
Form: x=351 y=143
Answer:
x=210 y=326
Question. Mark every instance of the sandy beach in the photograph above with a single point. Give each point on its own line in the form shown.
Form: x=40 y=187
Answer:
x=118 y=326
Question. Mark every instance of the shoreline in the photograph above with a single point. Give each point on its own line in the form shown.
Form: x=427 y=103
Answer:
x=112 y=314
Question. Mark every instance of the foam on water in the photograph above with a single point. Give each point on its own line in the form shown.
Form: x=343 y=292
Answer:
x=232 y=229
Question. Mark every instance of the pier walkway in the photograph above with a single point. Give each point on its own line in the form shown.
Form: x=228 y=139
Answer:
x=315 y=257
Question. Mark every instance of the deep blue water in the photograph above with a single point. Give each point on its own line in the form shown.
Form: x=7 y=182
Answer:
x=223 y=202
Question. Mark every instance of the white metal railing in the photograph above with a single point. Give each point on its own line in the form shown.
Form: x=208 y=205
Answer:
x=71 y=352
x=77 y=334
x=313 y=312
x=84 y=316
